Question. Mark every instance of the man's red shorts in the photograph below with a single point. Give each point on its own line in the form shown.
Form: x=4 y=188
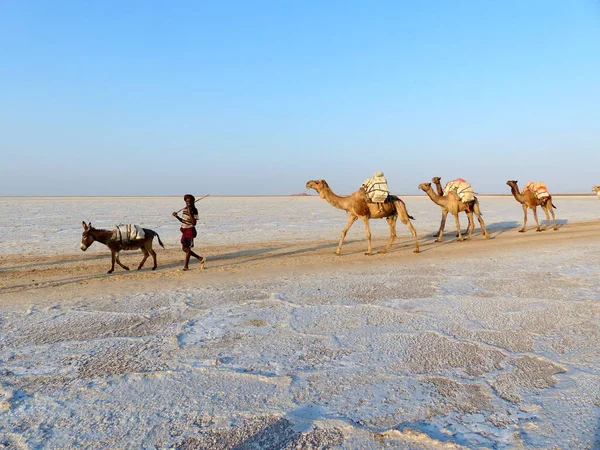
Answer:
x=187 y=237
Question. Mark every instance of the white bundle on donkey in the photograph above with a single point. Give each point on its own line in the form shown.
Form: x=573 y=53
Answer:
x=126 y=233
x=461 y=188
x=538 y=188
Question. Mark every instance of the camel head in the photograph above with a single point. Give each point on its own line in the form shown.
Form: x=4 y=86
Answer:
x=425 y=186
x=317 y=185
x=436 y=180
x=596 y=188
x=512 y=183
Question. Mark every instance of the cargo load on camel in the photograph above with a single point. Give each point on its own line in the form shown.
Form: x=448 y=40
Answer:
x=376 y=188
x=461 y=188
x=126 y=233
x=538 y=188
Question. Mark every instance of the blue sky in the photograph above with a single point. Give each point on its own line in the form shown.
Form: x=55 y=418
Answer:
x=257 y=97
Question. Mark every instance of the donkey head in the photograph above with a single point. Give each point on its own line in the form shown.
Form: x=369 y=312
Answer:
x=86 y=237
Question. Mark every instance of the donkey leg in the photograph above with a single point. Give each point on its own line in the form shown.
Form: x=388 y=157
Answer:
x=153 y=253
x=146 y=254
x=119 y=262
x=112 y=259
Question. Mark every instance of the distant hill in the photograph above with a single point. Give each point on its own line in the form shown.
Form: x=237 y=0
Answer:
x=303 y=194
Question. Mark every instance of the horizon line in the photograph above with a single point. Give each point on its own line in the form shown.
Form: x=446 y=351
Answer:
x=258 y=195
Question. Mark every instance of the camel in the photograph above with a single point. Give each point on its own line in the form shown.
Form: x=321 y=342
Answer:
x=528 y=200
x=451 y=203
x=357 y=205
x=440 y=191
x=596 y=189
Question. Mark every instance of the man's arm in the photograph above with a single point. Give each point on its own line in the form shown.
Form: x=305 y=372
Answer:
x=193 y=216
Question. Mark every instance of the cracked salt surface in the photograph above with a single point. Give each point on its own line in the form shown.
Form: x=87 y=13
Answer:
x=485 y=354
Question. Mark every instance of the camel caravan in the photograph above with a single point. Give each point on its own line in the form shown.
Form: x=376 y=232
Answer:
x=371 y=201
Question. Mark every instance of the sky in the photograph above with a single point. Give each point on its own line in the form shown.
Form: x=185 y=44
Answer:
x=258 y=97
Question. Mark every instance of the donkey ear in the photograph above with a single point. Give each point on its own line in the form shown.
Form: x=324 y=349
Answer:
x=84 y=225
x=90 y=224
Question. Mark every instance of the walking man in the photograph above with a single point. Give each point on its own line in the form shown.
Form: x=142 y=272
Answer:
x=188 y=230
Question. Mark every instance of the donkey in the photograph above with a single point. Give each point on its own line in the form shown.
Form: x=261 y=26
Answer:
x=106 y=237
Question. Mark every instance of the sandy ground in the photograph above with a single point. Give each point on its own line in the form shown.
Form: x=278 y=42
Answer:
x=482 y=343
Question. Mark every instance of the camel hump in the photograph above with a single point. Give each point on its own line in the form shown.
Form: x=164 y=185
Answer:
x=461 y=188
x=376 y=188
x=538 y=188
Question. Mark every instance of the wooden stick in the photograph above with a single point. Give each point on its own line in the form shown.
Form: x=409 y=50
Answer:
x=195 y=201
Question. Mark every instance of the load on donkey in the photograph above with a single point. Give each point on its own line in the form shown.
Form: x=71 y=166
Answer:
x=123 y=237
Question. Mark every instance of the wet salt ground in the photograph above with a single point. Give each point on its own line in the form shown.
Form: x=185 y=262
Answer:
x=496 y=353
x=52 y=225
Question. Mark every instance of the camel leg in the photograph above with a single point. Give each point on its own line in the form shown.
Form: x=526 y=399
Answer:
x=522 y=230
x=403 y=214
x=112 y=258
x=545 y=208
x=392 y=223
x=440 y=229
x=460 y=238
x=554 y=226
x=536 y=219
x=119 y=262
x=146 y=254
x=368 y=234
x=351 y=220
x=481 y=222
x=442 y=226
x=470 y=225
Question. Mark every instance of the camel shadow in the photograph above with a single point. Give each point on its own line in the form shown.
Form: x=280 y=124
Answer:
x=561 y=222
x=274 y=253
x=242 y=253
x=503 y=226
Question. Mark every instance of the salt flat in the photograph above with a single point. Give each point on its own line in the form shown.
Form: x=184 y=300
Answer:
x=483 y=343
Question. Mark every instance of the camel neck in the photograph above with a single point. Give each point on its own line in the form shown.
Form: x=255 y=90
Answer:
x=433 y=196
x=335 y=200
x=515 y=192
